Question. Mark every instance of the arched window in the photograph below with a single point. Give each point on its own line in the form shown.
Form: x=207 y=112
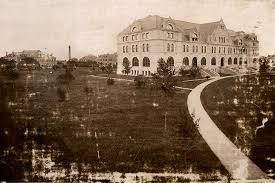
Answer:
x=134 y=29
x=170 y=61
x=126 y=49
x=203 y=61
x=168 y=47
x=235 y=60
x=194 y=37
x=136 y=48
x=135 y=61
x=229 y=61
x=169 y=26
x=143 y=47
x=241 y=61
x=172 y=47
x=185 y=61
x=146 y=62
x=125 y=61
x=147 y=47
x=133 y=48
x=213 y=61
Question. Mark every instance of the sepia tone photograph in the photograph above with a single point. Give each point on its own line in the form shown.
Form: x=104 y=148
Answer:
x=140 y=91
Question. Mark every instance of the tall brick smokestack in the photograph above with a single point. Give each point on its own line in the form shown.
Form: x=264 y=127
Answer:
x=69 y=52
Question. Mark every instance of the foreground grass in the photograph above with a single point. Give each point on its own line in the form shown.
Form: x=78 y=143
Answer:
x=107 y=128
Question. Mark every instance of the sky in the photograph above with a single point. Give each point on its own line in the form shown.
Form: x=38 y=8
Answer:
x=91 y=26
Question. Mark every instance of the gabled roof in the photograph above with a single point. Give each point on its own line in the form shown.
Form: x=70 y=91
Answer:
x=156 y=22
x=207 y=29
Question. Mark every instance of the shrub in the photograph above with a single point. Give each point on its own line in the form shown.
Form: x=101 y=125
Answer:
x=65 y=78
x=140 y=81
x=195 y=72
x=61 y=93
x=183 y=71
x=110 y=81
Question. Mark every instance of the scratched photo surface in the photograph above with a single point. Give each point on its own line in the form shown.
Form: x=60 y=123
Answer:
x=137 y=91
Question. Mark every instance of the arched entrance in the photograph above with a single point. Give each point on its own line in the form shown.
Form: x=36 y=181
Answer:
x=222 y=62
x=195 y=62
x=203 y=61
x=213 y=61
x=229 y=61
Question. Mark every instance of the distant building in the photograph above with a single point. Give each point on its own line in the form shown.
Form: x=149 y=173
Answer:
x=44 y=59
x=271 y=60
x=106 y=59
x=210 y=46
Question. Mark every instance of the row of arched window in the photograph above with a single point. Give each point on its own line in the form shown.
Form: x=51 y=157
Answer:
x=170 y=61
x=135 y=61
x=146 y=61
x=213 y=61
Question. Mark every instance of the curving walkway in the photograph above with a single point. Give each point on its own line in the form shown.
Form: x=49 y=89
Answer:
x=238 y=164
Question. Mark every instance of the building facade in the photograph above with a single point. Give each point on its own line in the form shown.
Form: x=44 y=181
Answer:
x=183 y=44
x=106 y=59
x=44 y=59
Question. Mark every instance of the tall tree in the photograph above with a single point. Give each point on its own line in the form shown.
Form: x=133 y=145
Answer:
x=164 y=79
x=127 y=67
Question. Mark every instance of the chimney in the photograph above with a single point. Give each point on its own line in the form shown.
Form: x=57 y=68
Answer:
x=69 y=52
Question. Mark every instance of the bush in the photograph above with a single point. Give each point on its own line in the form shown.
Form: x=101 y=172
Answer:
x=140 y=81
x=65 y=78
x=110 y=81
x=13 y=75
x=195 y=72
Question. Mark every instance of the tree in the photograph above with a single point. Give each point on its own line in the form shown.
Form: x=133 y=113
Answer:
x=126 y=65
x=264 y=66
x=109 y=69
x=165 y=79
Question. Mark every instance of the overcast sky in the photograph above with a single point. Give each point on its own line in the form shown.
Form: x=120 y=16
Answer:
x=91 y=26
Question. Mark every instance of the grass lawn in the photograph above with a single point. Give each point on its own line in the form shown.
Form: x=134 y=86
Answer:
x=101 y=128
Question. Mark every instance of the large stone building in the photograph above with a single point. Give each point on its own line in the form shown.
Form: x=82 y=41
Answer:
x=210 y=45
x=44 y=59
x=106 y=59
